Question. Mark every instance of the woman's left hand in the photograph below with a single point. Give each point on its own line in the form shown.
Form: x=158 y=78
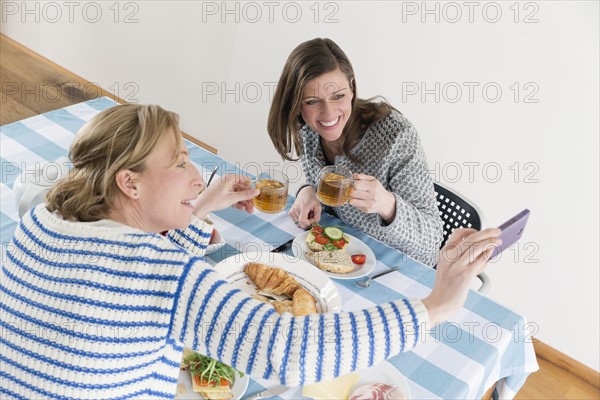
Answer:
x=369 y=196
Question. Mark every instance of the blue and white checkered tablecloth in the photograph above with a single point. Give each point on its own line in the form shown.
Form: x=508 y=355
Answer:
x=460 y=359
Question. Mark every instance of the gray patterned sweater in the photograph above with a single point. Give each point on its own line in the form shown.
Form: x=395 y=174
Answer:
x=390 y=151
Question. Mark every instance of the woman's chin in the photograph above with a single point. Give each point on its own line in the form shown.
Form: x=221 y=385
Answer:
x=181 y=224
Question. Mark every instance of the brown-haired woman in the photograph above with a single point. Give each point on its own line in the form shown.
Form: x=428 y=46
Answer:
x=317 y=116
x=94 y=303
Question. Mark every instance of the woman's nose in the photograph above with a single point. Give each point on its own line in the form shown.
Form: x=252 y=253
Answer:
x=196 y=177
x=327 y=107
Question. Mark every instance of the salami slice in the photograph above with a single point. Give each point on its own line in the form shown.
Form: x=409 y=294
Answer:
x=377 y=391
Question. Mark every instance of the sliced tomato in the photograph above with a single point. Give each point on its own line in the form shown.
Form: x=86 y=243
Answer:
x=317 y=229
x=206 y=383
x=321 y=239
x=339 y=243
x=359 y=259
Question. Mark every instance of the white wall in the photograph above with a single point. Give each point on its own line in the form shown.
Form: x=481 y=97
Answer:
x=539 y=150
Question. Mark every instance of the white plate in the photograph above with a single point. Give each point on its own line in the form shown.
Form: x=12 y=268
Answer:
x=185 y=391
x=383 y=372
x=356 y=246
x=312 y=279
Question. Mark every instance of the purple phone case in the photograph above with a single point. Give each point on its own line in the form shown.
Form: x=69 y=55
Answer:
x=512 y=230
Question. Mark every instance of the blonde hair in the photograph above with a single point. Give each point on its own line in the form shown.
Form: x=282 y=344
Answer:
x=119 y=138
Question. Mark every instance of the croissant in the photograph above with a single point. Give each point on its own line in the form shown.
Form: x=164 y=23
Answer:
x=271 y=280
x=259 y=274
x=303 y=303
x=283 y=306
x=277 y=281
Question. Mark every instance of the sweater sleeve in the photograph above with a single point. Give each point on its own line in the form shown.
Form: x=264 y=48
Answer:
x=214 y=318
x=416 y=228
x=195 y=237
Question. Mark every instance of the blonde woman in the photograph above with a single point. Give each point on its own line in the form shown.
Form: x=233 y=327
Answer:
x=95 y=303
x=317 y=116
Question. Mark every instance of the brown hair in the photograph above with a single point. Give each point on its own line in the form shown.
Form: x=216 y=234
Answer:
x=308 y=61
x=119 y=138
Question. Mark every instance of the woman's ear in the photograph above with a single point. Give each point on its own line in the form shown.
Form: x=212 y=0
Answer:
x=127 y=181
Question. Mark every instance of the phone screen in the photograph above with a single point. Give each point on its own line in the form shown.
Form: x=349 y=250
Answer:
x=512 y=230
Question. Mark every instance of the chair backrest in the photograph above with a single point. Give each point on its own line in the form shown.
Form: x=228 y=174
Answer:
x=455 y=211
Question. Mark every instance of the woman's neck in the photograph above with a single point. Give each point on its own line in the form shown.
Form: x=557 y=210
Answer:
x=332 y=149
x=124 y=212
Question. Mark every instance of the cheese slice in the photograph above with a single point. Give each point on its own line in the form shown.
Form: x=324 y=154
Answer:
x=337 y=388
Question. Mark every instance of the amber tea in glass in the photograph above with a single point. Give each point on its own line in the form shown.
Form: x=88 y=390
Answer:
x=273 y=186
x=335 y=184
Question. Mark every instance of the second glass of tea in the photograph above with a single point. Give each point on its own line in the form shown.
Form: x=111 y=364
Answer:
x=335 y=184
x=273 y=186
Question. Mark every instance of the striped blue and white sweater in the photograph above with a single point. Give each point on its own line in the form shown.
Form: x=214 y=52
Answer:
x=101 y=310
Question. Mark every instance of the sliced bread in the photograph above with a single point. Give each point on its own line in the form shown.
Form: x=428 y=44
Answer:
x=335 y=261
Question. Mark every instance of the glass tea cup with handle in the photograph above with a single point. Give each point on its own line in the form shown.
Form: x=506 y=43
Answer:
x=273 y=186
x=335 y=185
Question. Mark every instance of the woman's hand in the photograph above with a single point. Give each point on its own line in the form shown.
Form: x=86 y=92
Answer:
x=369 y=196
x=306 y=210
x=215 y=237
x=463 y=257
x=228 y=190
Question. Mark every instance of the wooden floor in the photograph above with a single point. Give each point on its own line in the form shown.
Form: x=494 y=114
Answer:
x=559 y=377
x=31 y=84
x=553 y=382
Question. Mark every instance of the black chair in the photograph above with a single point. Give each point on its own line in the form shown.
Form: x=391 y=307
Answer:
x=456 y=211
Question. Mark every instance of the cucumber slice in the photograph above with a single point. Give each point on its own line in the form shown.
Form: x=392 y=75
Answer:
x=333 y=233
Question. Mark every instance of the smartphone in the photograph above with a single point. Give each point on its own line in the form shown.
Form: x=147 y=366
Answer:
x=512 y=230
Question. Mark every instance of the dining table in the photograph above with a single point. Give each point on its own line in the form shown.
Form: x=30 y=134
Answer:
x=484 y=345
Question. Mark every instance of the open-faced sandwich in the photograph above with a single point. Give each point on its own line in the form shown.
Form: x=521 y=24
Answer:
x=327 y=245
x=326 y=238
x=271 y=280
x=211 y=378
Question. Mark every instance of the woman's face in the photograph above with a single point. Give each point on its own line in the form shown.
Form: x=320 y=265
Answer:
x=165 y=189
x=327 y=104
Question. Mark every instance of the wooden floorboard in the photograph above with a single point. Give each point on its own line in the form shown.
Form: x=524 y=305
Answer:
x=31 y=84
x=559 y=376
x=553 y=382
x=12 y=110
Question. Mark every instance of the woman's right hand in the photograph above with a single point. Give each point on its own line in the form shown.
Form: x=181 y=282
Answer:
x=306 y=210
x=225 y=191
x=462 y=258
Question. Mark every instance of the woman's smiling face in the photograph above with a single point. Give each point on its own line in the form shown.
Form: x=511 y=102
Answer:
x=327 y=104
x=166 y=188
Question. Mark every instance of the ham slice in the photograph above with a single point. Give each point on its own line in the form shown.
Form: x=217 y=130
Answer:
x=377 y=391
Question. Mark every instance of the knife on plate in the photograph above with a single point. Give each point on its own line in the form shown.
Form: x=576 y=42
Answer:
x=283 y=247
x=267 y=393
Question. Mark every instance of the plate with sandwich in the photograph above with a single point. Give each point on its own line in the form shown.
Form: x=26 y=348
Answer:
x=286 y=282
x=336 y=253
x=202 y=377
